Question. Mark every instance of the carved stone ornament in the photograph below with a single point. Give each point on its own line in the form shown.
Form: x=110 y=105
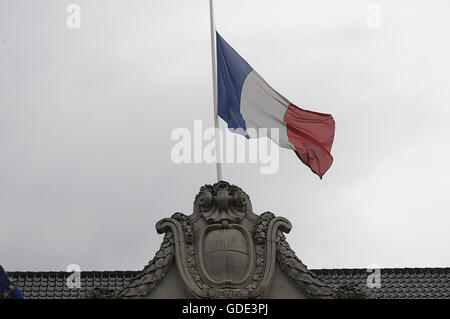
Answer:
x=224 y=250
x=221 y=202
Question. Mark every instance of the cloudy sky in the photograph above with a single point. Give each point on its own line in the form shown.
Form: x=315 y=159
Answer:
x=86 y=117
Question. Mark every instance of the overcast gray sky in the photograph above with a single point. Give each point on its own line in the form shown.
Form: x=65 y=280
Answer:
x=86 y=117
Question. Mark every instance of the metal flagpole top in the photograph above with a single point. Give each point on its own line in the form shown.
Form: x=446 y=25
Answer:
x=214 y=75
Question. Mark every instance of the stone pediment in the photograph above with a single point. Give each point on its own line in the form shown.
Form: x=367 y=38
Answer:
x=225 y=250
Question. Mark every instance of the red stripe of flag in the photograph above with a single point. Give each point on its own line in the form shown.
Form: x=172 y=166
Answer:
x=311 y=134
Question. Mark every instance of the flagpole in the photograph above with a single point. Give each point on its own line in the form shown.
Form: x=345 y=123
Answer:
x=214 y=75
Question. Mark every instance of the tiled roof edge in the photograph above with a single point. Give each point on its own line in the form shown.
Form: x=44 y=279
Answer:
x=86 y=273
x=397 y=270
x=133 y=272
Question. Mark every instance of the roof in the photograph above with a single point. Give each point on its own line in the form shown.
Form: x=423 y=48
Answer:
x=52 y=284
x=410 y=283
x=396 y=283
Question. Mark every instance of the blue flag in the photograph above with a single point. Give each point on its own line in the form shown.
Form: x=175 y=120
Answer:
x=8 y=289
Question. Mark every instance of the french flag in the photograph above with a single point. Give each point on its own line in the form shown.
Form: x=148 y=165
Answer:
x=246 y=101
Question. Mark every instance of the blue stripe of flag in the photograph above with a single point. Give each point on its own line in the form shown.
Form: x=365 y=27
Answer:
x=232 y=70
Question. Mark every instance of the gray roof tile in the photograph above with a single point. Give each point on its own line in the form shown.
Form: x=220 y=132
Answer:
x=395 y=282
